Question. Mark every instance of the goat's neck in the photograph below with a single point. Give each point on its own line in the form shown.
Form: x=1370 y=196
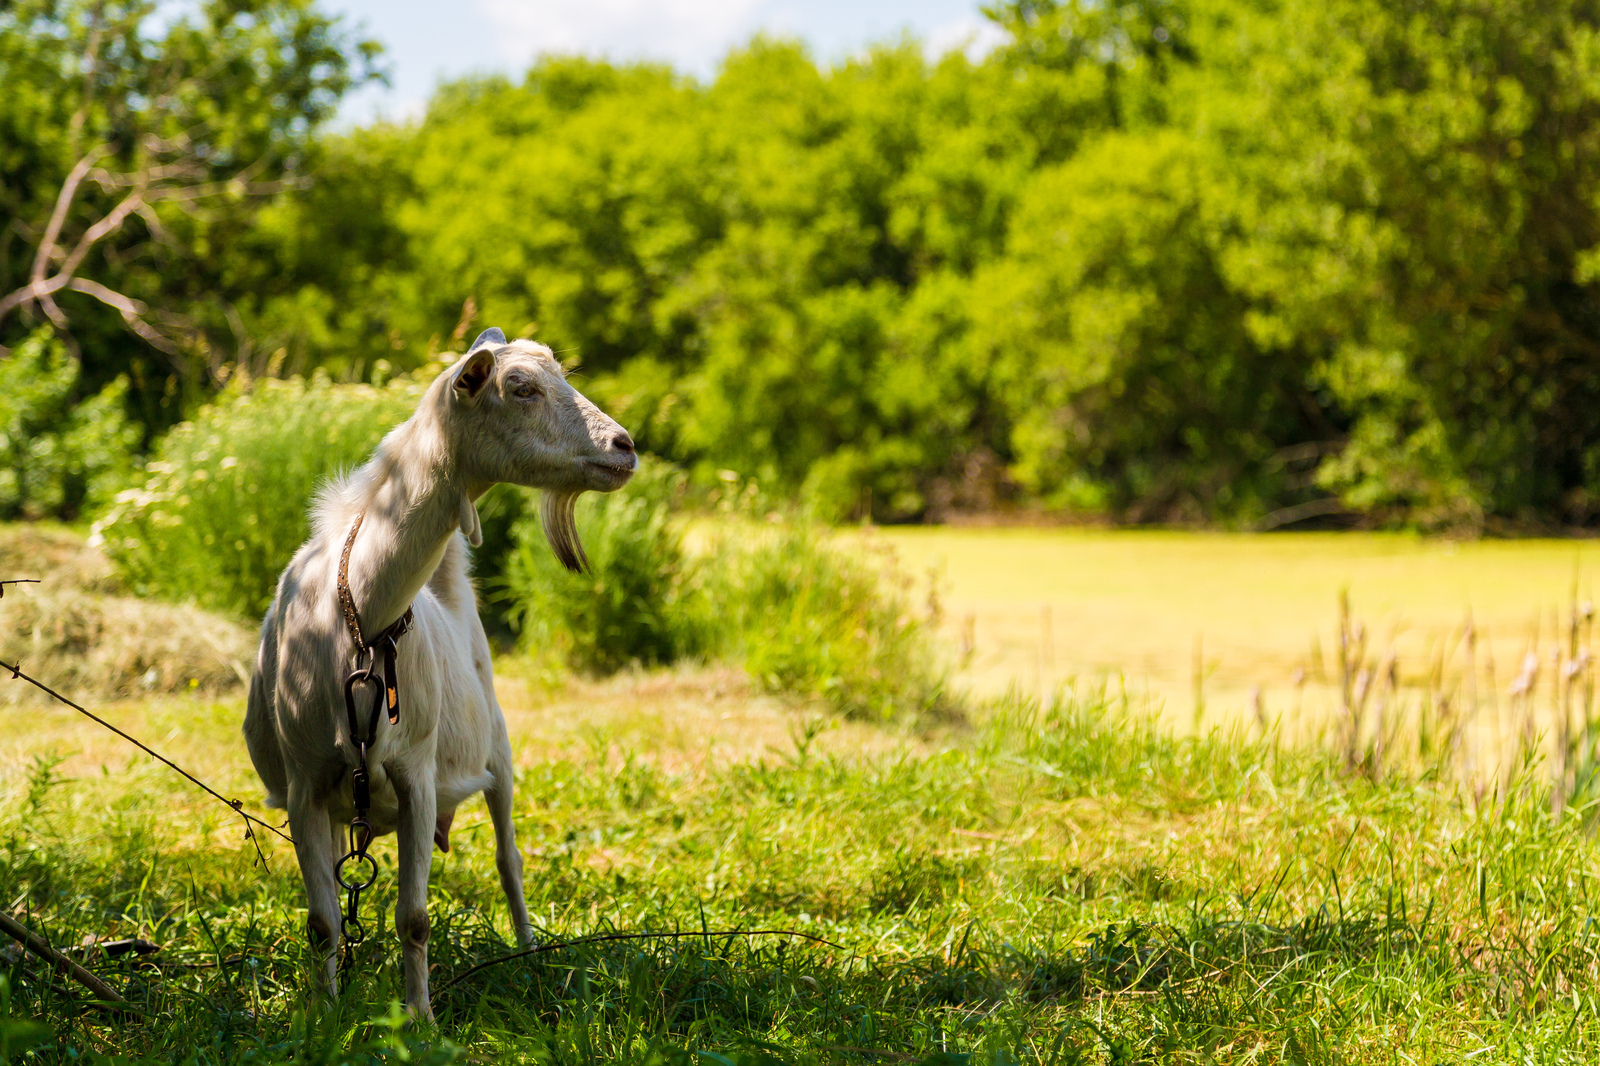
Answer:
x=410 y=518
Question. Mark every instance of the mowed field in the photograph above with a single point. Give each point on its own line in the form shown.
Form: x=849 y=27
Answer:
x=1244 y=613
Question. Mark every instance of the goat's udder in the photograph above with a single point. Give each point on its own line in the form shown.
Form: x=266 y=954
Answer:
x=441 y=830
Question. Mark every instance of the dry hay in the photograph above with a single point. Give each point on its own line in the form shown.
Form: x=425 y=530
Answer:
x=78 y=631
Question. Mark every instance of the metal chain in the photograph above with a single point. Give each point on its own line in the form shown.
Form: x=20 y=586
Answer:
x=350 y=928
x=385 y=695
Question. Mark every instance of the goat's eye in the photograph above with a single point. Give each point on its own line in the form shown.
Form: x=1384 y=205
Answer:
x=525 y=390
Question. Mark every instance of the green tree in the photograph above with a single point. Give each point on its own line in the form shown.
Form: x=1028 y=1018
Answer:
x=1128 y=357
x=132 y=147
x=1426 y=191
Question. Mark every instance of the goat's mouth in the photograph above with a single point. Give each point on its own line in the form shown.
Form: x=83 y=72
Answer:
x=611 y=475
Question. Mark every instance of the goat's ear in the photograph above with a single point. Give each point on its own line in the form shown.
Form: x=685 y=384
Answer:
x=489 y=337
x=474 y=374
x=471 y=527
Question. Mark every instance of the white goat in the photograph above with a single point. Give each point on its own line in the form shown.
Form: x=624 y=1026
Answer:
x=505 y=412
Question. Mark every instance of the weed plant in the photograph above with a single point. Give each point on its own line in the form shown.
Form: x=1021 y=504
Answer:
x=224 y=504
x=1059 y=884
x=814 y=617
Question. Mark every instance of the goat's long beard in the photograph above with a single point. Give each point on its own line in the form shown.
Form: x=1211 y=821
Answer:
x=557 y=513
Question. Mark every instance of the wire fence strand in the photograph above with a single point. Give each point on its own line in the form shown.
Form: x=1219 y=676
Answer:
x=237 y=806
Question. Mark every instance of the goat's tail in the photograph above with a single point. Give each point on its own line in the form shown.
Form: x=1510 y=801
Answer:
x=261 y=721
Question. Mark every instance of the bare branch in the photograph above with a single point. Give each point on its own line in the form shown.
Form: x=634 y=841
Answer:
x=131 y=309
x=49 y=250
x=57 y=316
x=153 y=223
x=99 y=231
x=168 y=172
x=31 y=292
x=171 y=181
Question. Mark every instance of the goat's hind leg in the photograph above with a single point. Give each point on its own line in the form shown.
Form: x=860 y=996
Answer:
x=314 y=847
x=507 y=859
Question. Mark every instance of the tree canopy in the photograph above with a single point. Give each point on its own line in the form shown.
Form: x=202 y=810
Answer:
x=1249 y=261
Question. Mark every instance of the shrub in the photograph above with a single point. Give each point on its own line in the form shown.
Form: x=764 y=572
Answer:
x=54 y=453
x=804 y=614
x=225 y=504
x=640 y=601
x=808 y=615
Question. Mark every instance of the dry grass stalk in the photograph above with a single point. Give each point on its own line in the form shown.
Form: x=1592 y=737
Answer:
x=1258 y=706
x=1354 y=679
x=1469 y=653
x=1388 y=691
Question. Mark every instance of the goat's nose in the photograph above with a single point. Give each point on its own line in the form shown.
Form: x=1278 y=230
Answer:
x=622 y=442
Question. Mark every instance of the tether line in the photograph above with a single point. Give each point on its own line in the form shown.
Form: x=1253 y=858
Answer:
x=237 y=806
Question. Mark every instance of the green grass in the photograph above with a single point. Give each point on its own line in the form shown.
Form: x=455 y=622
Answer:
x=1060 y=884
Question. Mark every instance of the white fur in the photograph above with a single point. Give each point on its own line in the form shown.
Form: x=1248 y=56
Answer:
x=478 y=424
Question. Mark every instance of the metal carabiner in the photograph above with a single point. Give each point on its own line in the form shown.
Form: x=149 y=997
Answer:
x=363 y=677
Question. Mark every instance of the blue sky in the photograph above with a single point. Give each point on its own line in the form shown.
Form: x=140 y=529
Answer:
x=427 y=41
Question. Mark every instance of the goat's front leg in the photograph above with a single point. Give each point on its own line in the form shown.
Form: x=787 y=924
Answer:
x=507 y=859
x=313 y=846
x=418 y=810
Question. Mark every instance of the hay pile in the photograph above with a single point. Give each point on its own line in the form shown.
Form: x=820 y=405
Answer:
x=79 y=632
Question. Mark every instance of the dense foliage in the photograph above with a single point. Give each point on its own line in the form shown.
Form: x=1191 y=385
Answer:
x=225 y=501
x=1178 y=259
x=1240 y=260
x=138 y=140
x=56 y=454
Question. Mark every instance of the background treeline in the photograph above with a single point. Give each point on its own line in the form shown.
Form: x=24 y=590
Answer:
x=1198 y=260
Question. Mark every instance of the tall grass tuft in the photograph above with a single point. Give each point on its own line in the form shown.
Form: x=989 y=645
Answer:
x=811 y=616
x=224 y=503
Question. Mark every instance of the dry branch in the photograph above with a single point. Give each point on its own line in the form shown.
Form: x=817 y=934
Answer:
x=179 y=182
x=105 y=995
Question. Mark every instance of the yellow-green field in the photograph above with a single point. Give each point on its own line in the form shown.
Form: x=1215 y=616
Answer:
x=1039 y=607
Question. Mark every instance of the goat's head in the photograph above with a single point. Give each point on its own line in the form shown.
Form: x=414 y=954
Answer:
x=514 y=417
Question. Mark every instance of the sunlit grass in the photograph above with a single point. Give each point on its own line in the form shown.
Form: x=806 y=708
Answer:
x=1039 y=606
x=1067 y=884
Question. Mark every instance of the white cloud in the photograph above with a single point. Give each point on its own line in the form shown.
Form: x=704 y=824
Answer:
x=974 y=35
x=691 y=34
